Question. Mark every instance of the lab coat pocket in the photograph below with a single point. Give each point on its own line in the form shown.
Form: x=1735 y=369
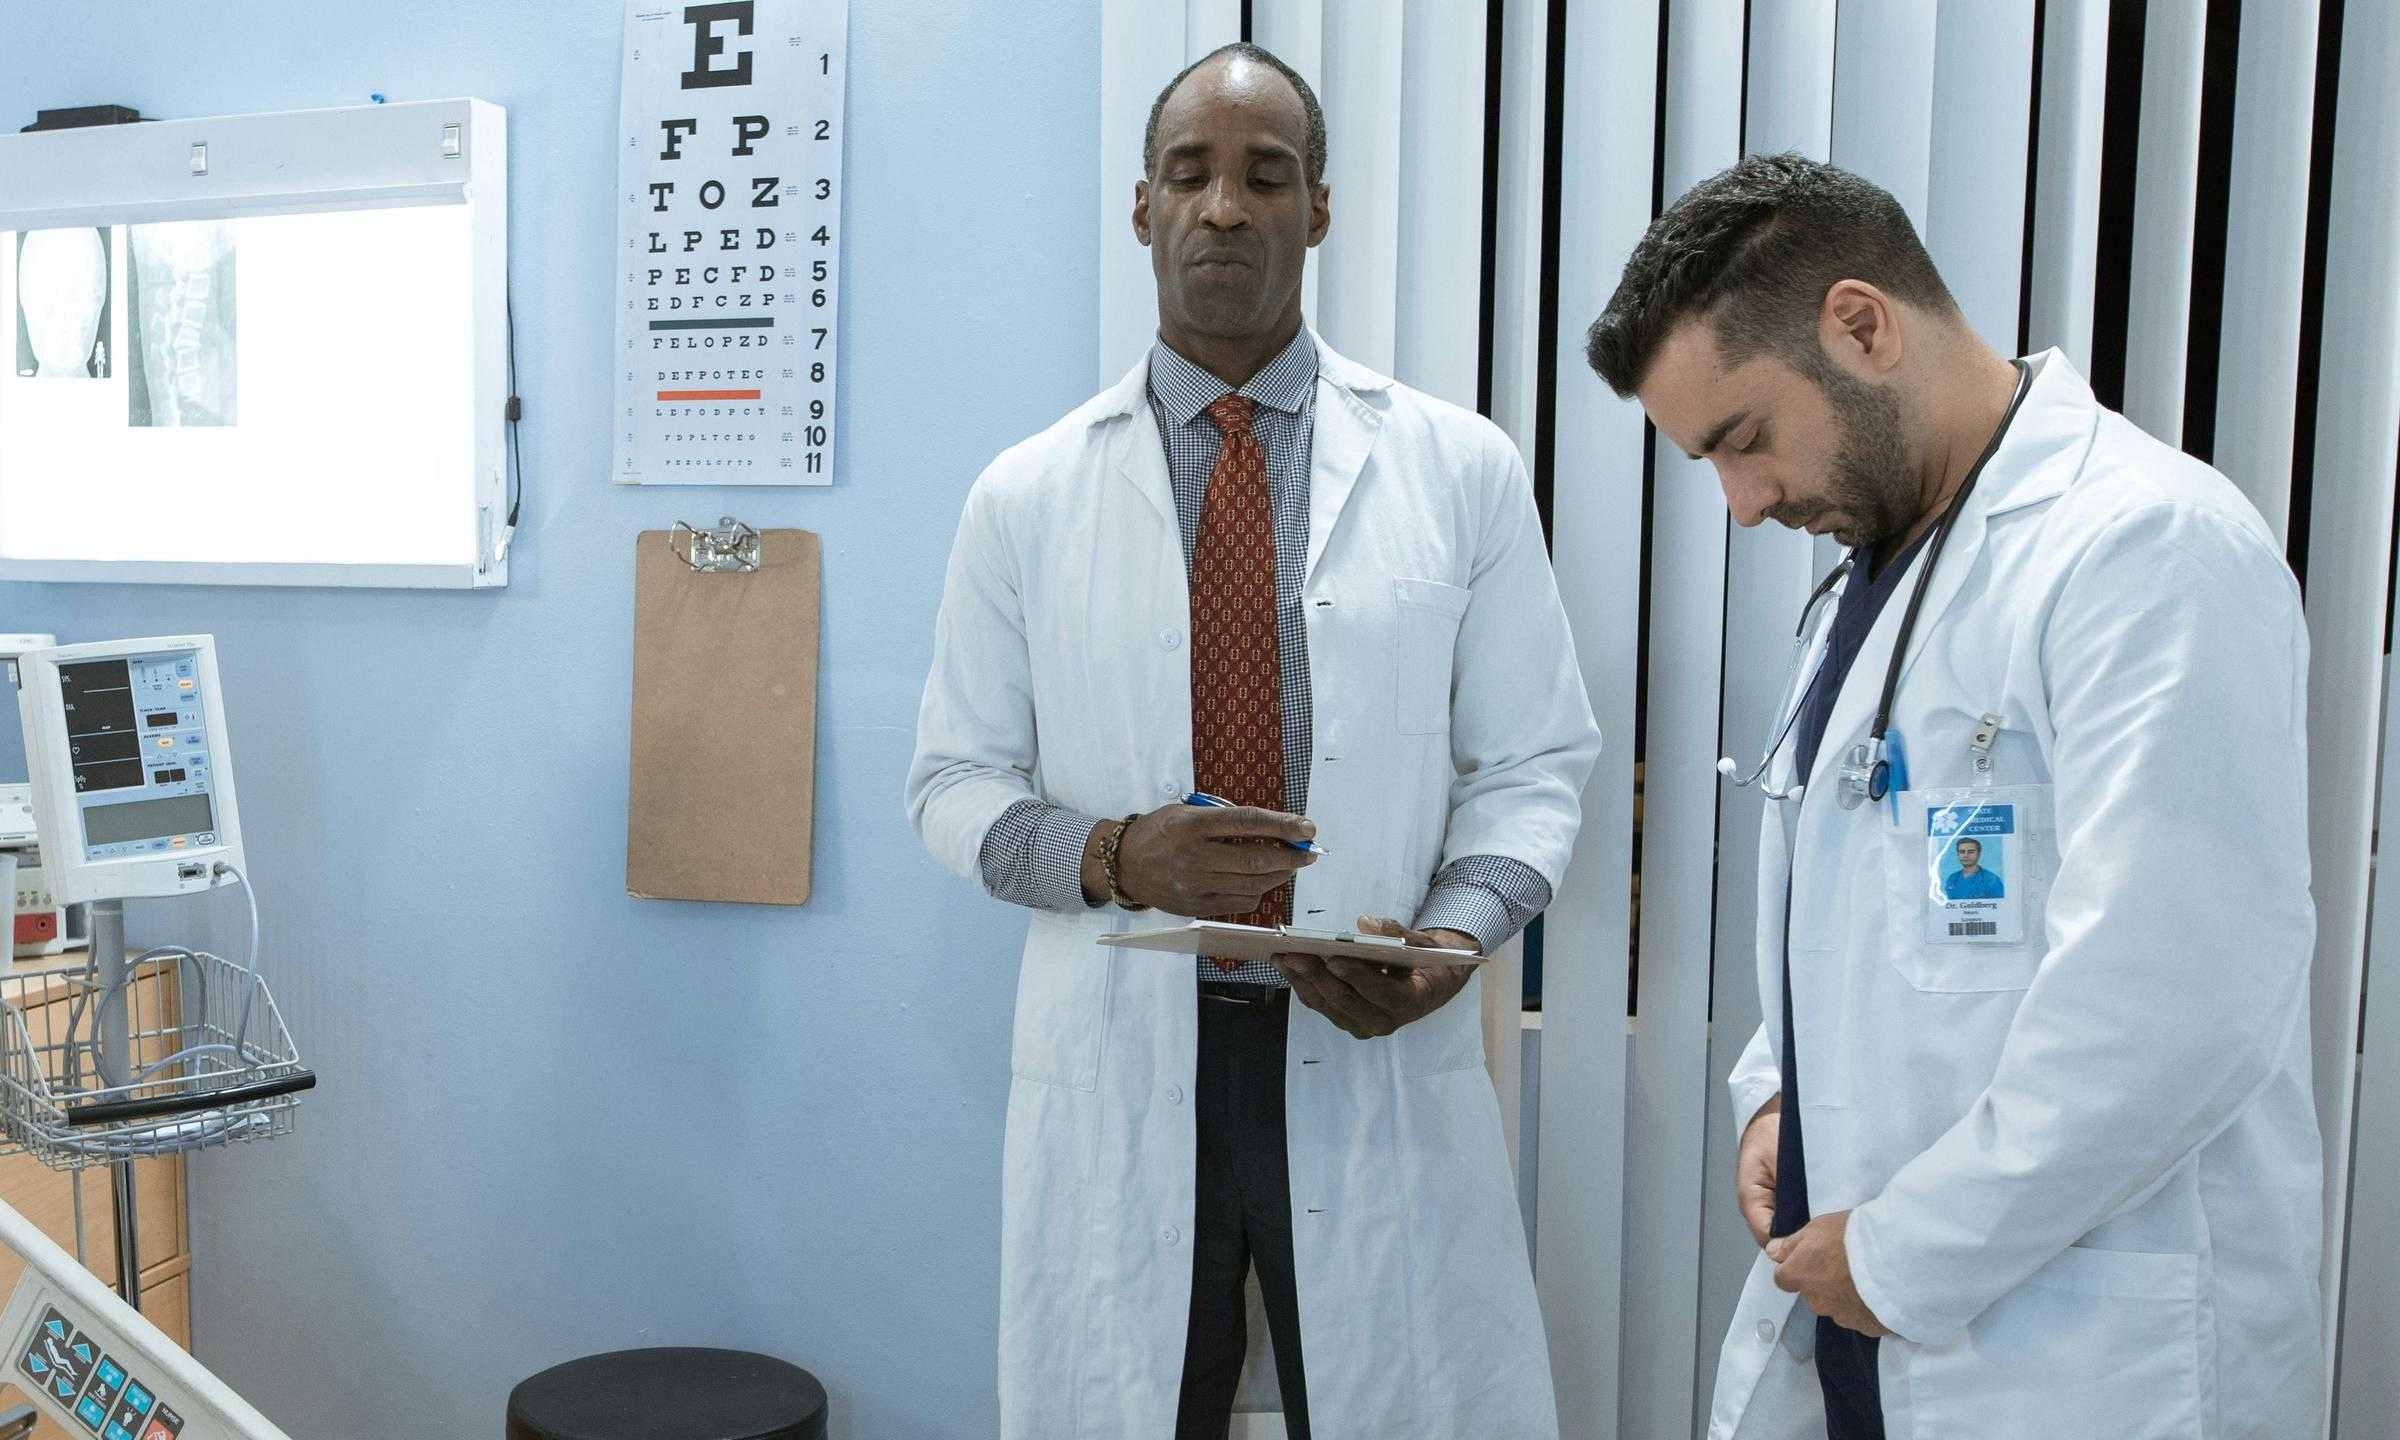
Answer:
x=2097 y=1342
x=1451 y=1038
x=1967 y=875
x=1062 y=1001
x=1426 y=643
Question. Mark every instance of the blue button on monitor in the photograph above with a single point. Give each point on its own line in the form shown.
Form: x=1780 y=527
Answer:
x=110 y=1376
x=137 y=1399
x=93 y=1417
x=119 y=1432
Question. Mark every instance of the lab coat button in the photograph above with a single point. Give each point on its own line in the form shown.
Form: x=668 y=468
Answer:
x=1766 y=1332
x=1169 y=639
x=1174 y=1094
x=1170 y=1235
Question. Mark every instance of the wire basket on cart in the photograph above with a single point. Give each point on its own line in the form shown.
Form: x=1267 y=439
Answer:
x=205 y=1060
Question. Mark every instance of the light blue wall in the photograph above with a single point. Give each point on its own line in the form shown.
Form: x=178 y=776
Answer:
x=555 y=1120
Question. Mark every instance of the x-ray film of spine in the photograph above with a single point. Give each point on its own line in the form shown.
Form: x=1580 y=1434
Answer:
x=66 y=288
x=729 y=219
x=180 y=299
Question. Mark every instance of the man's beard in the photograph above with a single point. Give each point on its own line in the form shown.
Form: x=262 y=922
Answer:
x=1870 y=485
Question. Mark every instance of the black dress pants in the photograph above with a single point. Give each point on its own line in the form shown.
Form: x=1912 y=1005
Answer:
x=1244 y=1216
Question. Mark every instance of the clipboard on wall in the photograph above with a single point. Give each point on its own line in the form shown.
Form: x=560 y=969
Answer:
x=723 y=761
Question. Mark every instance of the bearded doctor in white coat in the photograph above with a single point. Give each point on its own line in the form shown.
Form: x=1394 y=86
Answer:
x=2051 y=1169
x=1443 y=763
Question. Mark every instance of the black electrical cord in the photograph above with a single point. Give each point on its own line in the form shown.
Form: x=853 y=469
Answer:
x=515 y=412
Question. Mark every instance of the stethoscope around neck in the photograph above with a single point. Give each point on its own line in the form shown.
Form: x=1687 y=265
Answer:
x=1866 y=773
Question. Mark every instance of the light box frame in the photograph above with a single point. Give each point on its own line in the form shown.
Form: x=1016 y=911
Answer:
x=296 y=162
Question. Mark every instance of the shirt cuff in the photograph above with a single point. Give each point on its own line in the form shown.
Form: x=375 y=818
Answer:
x=1033 y=856
x=1490 y=897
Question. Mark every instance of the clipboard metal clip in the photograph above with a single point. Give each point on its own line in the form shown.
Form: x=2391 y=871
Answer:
x=730 y=547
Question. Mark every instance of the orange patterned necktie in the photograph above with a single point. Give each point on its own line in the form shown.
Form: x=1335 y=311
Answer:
x=1237 y=681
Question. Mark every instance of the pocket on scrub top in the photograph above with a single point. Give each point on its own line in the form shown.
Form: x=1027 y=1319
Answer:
x=2097 y=1342
x=1426 y=643
x=1062 y=1001
x=1950 y=932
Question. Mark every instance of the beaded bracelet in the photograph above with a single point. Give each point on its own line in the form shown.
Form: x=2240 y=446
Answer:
x=1109 y=844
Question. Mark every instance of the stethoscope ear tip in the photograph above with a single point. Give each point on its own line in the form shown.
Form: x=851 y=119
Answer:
x=1726 y=767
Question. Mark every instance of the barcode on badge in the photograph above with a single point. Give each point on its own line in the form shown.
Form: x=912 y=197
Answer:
x=1974 y=927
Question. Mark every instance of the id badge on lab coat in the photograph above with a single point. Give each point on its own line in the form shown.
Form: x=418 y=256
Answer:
x=1972 y=876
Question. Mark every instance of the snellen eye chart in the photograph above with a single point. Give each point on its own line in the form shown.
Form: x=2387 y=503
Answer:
x=729 y=224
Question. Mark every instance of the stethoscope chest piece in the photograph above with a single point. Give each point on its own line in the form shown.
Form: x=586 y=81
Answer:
x=1867 y=776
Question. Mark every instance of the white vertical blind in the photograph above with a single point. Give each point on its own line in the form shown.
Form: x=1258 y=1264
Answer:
x=1608 y=119
x=2366 y=1396
x=1208 y=24
x=1517 y=306
x=1982 y=116
x=1883 y=60
x=1358 y=266
x=1517 y=298
x=1790 y=104
x=1438 y=298
x=2349 y=590
x=2166 y=189
x=2066 y=229
x=1669 y=1155
x=2266 y=228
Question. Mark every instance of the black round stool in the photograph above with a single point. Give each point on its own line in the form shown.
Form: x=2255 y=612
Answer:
x=669 y=1394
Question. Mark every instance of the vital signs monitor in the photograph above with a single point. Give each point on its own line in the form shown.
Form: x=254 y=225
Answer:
x=16 y=792
x=132 y=780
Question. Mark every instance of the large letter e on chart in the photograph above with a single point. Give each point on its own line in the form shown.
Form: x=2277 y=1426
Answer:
x=707 y=44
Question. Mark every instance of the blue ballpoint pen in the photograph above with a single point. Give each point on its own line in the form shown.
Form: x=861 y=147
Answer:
x=1219 y=802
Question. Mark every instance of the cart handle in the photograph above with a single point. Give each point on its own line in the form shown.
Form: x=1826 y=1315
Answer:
x=104 y=1112
x=17 y=1423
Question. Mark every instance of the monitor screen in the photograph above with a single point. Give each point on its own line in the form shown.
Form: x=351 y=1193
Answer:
x=138 y=746
x=12 y=733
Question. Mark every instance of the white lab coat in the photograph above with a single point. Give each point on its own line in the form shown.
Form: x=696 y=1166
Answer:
x=2083 y=1170
x=1451 y=720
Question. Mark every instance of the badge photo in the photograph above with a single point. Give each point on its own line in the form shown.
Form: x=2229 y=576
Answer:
x=1969 y=898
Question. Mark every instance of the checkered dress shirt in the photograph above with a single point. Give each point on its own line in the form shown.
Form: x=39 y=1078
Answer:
x=1033 y=854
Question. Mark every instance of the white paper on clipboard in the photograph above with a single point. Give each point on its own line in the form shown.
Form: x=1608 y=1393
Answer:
x=1258 y=942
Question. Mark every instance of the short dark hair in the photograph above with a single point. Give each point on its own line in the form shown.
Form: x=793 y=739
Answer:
x=1756 y=247
x=1312 y=158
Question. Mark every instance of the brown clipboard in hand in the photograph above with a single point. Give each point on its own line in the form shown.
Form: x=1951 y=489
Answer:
x=724 y=754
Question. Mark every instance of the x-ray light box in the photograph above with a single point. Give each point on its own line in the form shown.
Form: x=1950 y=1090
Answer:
x=258 y=349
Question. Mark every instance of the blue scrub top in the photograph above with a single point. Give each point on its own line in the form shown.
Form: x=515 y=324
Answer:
x=1982 y=885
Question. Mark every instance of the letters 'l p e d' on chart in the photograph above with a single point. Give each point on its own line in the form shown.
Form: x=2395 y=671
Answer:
x=729 y=210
